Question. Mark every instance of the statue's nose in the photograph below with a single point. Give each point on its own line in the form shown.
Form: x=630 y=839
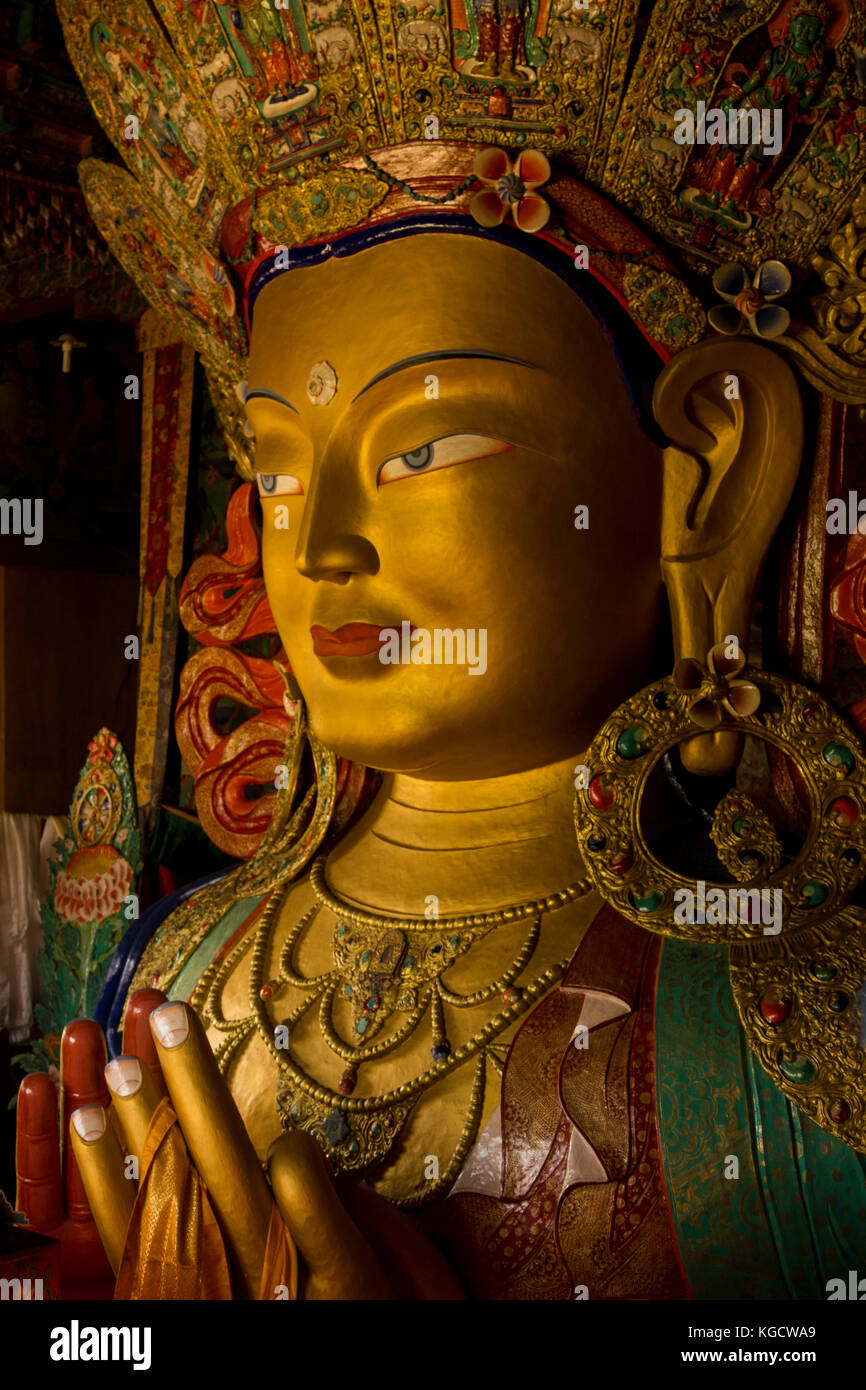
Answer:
x=335 y=557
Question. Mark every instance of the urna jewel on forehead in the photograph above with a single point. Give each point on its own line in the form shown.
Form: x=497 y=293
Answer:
x=247 y=128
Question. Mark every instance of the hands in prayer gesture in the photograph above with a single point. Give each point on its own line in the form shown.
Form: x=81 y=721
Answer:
x=161 y=1174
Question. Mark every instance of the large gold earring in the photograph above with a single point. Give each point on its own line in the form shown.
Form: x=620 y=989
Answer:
x=800 y=989
x=722 y=694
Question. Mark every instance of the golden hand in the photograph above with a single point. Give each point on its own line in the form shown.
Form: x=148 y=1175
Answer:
x=342 y=1255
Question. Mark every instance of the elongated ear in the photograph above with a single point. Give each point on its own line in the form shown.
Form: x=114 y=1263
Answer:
x=732 y=410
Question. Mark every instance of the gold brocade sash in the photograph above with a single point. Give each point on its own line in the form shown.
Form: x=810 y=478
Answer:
x=174 y=1246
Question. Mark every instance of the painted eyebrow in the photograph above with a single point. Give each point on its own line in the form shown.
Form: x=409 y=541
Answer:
x=440 y=357
x=271 y=396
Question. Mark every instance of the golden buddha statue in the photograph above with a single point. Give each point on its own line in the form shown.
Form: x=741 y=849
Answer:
x=441 y=1049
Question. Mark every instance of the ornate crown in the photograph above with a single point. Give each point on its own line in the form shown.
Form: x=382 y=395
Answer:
x=267 y=123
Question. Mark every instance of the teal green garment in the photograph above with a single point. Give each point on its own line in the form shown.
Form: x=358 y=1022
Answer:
x=796 y=1215
x=210 y=946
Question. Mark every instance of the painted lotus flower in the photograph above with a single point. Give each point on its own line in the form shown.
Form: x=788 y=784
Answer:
x=748 y=299
x=716 y=691
x=510 y=189
x=94 y=885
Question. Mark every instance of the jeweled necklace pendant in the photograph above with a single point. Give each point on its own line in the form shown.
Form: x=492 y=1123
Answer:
x=373 y=983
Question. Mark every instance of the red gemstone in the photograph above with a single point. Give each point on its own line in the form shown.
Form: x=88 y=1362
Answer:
x=621 y=863
x=811 y=711
x=600 y=793
x=774 y=1010
x=839 y=1112
x=347 y=1083
x=265 y=992
x=511 y=996
x=844 y=810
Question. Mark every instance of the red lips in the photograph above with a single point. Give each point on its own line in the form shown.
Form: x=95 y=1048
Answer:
x=352 y=639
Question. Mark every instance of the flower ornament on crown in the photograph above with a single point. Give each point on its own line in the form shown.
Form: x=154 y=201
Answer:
x=510 y=189
x=815 y=9
x=251 y=132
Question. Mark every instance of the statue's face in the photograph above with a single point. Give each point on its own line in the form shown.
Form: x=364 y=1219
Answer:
x=805 y=31
x=477 y=404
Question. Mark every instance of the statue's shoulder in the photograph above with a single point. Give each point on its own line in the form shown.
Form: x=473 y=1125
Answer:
x=193 y=932
x=173 y=942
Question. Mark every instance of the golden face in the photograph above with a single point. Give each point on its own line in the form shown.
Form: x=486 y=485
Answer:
x=429 y=414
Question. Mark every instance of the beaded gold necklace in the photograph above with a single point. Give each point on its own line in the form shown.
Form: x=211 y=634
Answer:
x=383 y=966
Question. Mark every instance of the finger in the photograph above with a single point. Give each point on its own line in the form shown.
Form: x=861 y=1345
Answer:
x=110 y=1195
x=39 y=1190
x=137 y=1037
x=414 y=1266
x=339 y=1261
x=134 y=1096
x=216 y=1138
x=82 y=1082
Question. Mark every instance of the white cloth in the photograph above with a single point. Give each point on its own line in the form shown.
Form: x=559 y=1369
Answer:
x=24 y=850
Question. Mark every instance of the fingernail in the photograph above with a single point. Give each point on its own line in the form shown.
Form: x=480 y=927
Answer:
x=170 y=1024
x=124 y=1075
x=83 y=1056
x=89 y=1122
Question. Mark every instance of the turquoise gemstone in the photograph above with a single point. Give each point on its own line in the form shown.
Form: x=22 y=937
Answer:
x=646 y=902
x=361 y=1025
x=839 y=755
x=347 y=990
x=454 y=942
x=341 y=931
x=632 y=742
x=801 y=1070
x=410 y=960
x=365 y=957
x=740 y=825
x=815 y=893
x=823 y=972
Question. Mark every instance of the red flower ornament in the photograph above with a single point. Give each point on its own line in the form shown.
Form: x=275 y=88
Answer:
x=715 y=689
x=101 y=748
x=510 y=189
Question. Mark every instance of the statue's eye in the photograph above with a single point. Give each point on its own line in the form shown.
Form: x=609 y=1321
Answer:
x=442 y=453
x=418 y=458
x=279 y=485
